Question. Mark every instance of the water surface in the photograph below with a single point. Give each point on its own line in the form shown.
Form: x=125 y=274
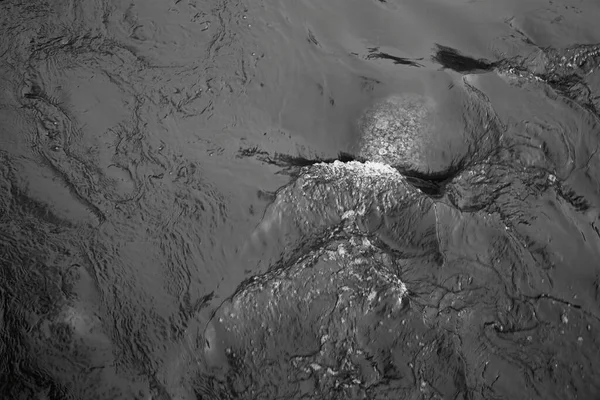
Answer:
x=139 y=147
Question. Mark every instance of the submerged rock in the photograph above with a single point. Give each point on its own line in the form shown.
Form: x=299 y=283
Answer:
x=373 y=289
x=377 y=196
x=331 y=303
x=337 y=322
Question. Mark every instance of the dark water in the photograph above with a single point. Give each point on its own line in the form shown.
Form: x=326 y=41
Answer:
x=167 y=231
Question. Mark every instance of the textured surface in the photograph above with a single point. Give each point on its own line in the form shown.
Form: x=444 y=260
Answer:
x=427 y=135
x=139 y=148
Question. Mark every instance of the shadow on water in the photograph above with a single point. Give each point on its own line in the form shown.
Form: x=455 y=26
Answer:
x=374 y=53
x=432 y=184
x=452 y=59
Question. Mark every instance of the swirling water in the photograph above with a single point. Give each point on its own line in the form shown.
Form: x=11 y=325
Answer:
x=140 y=148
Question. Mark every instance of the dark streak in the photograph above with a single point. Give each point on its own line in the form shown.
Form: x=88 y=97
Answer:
x=432 y=184
x=578 y=202
x=312 y=39
x=375 y=54
x=452 y=59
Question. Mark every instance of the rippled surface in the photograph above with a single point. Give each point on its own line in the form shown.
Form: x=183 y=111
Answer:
x=168 y=232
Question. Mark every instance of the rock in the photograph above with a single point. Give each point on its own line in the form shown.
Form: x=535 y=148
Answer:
x=322 y=325
x=378 y=197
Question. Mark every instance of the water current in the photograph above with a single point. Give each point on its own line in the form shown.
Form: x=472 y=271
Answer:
x=299 y=199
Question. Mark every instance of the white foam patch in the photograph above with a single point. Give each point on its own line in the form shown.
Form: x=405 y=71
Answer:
x=357 y=168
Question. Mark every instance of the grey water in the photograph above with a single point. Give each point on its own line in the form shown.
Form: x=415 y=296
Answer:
x=358 y=199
